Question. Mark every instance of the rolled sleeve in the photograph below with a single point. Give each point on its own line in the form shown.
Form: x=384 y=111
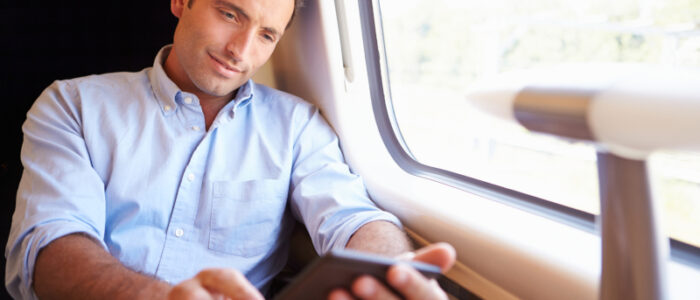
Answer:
x=21 y=256
x=59 y=193
x=331 y=201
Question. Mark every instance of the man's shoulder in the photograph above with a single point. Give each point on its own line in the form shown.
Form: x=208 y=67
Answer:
x=272 y=96
x=95 y=91
x=111 y=81
x=285 y=107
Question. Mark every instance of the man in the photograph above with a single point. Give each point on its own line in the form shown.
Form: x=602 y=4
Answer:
x=180 y=175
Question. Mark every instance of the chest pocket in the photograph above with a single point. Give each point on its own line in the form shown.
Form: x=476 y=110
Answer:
x=246 y=215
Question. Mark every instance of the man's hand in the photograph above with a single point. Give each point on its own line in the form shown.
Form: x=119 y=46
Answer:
x=215 y=284
x=403 y=278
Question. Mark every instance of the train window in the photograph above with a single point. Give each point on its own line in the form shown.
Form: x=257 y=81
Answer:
x=435 y=49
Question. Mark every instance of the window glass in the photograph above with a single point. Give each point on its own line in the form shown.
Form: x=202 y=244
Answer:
x=436 y=49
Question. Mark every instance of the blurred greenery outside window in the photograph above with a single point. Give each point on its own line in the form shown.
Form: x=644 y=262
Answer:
x=436 y=49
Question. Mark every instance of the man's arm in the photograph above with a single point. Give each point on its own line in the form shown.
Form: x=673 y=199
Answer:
x=334 y=205
x=77 y=267
x=54 y=249
x=380 y=237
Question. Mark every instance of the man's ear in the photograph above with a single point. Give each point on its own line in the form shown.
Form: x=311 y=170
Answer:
x=176 y=7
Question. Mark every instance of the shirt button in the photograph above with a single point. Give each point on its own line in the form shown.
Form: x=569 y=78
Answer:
x=167 y=108
x=188 y=100
x=190 y=176
x=179 y=232
x=195 y=128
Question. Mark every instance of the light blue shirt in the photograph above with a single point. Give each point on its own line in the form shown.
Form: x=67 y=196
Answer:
x=126 y=159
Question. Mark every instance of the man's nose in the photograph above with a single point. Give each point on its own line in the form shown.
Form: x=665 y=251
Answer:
x=240 y=44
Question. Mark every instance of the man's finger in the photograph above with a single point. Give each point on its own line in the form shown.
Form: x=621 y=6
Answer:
x=442 y=255
x=188 y=289
x=340 y=294
x=228 y=282
x=368 y=288
x=413 y=285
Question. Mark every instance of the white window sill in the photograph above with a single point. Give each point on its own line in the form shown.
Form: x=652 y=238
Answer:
x=503 y=251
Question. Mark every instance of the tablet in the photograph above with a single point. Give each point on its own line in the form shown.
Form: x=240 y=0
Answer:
x=338 y=269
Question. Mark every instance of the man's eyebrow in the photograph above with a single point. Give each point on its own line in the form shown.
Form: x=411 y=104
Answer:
x=240 y=11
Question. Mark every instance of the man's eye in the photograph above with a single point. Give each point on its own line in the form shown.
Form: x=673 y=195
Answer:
x=268 y=37
x=228 y=15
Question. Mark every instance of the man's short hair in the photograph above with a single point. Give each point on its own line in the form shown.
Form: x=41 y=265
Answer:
x=297 y=5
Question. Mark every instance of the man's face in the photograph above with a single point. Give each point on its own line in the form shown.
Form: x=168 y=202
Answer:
x=219 y=44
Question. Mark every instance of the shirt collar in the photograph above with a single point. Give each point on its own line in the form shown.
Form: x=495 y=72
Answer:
x=167 y=92
x=164 y=89
x=244 y=94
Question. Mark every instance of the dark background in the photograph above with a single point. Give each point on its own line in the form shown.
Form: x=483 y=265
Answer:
x=42 y=42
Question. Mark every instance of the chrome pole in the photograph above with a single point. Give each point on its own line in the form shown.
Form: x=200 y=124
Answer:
x=633 y=250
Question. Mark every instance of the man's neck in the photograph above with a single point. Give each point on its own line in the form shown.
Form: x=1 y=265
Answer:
x=212 y=105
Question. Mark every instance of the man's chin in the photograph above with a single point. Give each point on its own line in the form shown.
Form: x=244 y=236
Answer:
x=222 y=90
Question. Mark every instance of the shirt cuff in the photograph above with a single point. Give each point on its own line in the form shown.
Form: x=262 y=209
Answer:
x=21 y=258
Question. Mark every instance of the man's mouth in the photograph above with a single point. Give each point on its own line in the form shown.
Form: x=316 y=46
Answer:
x=223 y=67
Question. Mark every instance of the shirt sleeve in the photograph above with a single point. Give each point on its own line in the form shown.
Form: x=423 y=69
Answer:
x=330 y=200
x=59 y=192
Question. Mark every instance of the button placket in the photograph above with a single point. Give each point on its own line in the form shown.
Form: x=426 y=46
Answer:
x=180 y=230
